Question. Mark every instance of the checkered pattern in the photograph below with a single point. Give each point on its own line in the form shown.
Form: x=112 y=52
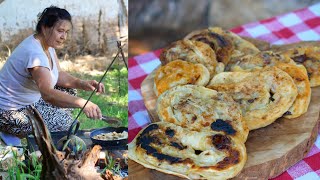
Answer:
x=300 y=25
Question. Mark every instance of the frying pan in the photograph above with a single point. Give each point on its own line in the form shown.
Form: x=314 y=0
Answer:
x=106 y=143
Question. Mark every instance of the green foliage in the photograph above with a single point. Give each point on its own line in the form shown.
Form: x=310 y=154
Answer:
x=112 y=165
x=76 y=144
x=20 y=170
x=114 y=103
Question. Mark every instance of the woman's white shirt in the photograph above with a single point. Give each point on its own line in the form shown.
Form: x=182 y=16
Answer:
x=17 y=89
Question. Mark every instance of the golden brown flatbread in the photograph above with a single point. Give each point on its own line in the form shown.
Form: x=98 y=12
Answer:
x=194 y=52
x=226 y=44
x=202 y=131
x=217 y=39
x=180 y=72
x=199 y=108
x=309 y=57
x=263 y=95
x=174 y=150
x=257 y=61
x=297 y=72
x=240 y=46
x=300 y=78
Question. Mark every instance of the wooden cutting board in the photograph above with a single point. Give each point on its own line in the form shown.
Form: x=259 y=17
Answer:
x=271 y=150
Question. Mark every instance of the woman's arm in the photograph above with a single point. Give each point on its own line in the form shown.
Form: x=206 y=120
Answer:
x=68 y=81
x=42 y=77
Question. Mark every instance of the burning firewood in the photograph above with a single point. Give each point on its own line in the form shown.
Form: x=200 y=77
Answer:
x=60 y=165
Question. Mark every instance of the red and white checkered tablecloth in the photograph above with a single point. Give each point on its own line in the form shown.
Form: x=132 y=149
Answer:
x=299 y=25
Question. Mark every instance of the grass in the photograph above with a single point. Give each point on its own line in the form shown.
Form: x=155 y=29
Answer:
x=28 y=169
x=114 y=103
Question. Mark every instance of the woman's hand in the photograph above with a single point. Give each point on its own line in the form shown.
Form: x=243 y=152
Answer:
x=91 y=85
x=92 y=111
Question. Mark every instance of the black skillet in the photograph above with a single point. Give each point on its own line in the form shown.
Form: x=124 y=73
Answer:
x=112 y=143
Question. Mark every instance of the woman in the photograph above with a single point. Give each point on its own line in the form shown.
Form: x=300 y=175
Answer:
x=30 y=74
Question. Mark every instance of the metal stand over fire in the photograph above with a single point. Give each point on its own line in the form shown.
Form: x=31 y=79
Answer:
x=71 y=140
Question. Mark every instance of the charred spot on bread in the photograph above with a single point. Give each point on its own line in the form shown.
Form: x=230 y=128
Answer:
x=233 y=158
x=221 y=125
x=218 y=42
x=178 y=145
x=309 y=74
x=204 y=40
x=145 y=138
x=287 y=113
x=271 y=96
x=266 y=58
x=169 y=159
x=149 y=150
x=150 y=128
x=300 y=59
x=251 y=100
x=222 y=42
x=194 y=118
x=221 y=142
x=170 y=132
x=197 y=152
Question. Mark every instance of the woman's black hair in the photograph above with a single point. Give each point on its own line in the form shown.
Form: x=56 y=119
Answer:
x=50 y=16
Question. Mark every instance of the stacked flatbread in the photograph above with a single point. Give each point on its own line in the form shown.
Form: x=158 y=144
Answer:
x=213 y=88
